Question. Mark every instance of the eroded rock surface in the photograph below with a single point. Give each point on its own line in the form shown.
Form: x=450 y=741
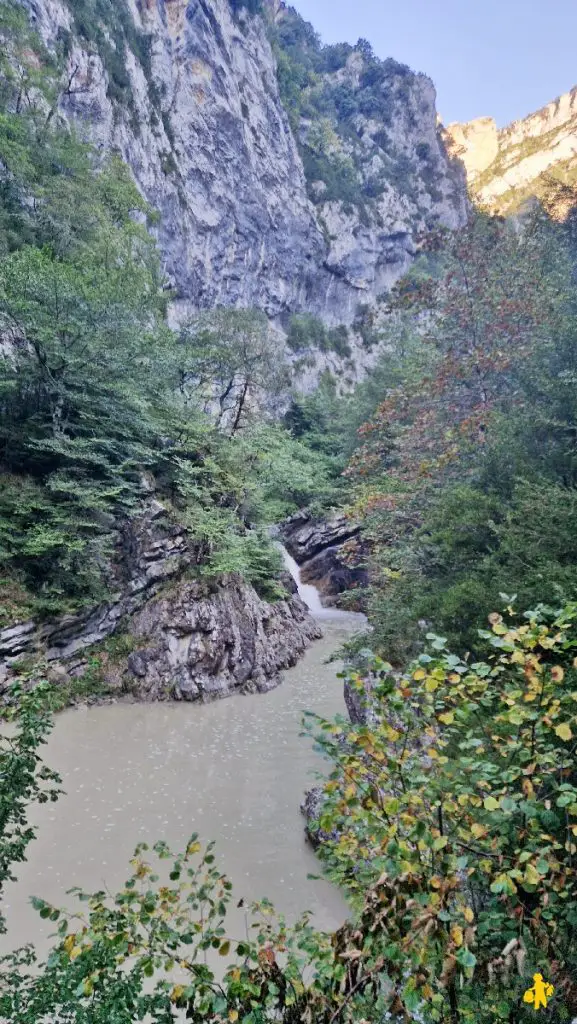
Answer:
x=192 y=639
x=328 y=552
x=204 y=130
x=535 y=156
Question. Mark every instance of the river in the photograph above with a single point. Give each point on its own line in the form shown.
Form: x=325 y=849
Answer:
x=234 y=771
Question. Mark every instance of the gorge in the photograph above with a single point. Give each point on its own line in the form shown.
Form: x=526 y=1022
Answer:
x=288 y=412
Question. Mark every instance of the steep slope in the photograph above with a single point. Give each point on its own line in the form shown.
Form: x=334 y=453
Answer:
x=536 y=156
x=187 y=92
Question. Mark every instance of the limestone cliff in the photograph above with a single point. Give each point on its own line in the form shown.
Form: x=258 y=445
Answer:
x=167 y=632
x=187 y=92
x=536 y=156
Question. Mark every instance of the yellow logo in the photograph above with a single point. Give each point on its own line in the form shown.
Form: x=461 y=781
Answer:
x=540 y=993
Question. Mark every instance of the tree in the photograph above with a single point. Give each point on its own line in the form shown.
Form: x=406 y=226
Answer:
x=231 y=361
x=477 y=404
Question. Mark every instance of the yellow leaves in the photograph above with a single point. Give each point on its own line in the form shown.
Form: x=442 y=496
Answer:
x=532 y=876
x=469 y=915
x=75 y=952
x=518 y=658
x=225 y=948
x=177 y=993
x=478 y=830
x=447 y=718
x=490 y=804
x=233 y=1015
x=431 y=684
x=192 y=848
x=69 y=943
x=528 y=789
x=463 y=799
x=563 y=731
x=392 y=734
x=141 y=870
x=457 y=935
x=557 y=674
x=454 y=678
x=419 y=674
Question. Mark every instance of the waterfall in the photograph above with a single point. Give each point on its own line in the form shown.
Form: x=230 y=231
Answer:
x=306 y=592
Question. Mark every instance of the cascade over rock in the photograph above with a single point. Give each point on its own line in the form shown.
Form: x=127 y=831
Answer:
x=187 y=638
x=328 y=553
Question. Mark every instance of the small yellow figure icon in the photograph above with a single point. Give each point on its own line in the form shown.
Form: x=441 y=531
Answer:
x=540 y=993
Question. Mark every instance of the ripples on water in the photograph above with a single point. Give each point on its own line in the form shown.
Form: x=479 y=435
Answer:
x=234 y=771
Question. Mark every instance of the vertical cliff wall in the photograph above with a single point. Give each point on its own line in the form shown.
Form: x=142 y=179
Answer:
x=535 y=156
x=187 y=92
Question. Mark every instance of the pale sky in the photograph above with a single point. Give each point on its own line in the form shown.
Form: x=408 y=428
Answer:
x=506 y=58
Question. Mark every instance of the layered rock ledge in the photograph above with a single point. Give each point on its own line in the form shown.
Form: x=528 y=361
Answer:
x=184 y=637
x=328 y=552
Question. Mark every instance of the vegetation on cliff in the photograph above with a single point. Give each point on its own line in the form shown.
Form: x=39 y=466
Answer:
x=332 y=102
x=97 y=396
x=451 y=815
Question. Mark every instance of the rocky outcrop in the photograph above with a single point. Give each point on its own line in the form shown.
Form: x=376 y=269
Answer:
x=202 y=642
x=200 y=121
x=188 y=639
x=328 y=552
x=535 y=156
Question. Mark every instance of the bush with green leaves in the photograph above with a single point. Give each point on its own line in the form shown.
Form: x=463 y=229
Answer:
x=455 y=816
x=450 y=821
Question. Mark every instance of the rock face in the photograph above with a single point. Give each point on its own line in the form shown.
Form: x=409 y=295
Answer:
x=189 y=639
x=201 y=643
x=327 y=552
x=203 y=128
x=536 y=156
x=475 y=143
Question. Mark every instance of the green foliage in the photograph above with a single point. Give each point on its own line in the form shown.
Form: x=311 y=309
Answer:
x=107 y=26
x=450 y=821
x=96 y=393
x=315 y=101
x=466 y=473
x=232 y=358
x=453 y=814
x=306 y=332
x=24 y=779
